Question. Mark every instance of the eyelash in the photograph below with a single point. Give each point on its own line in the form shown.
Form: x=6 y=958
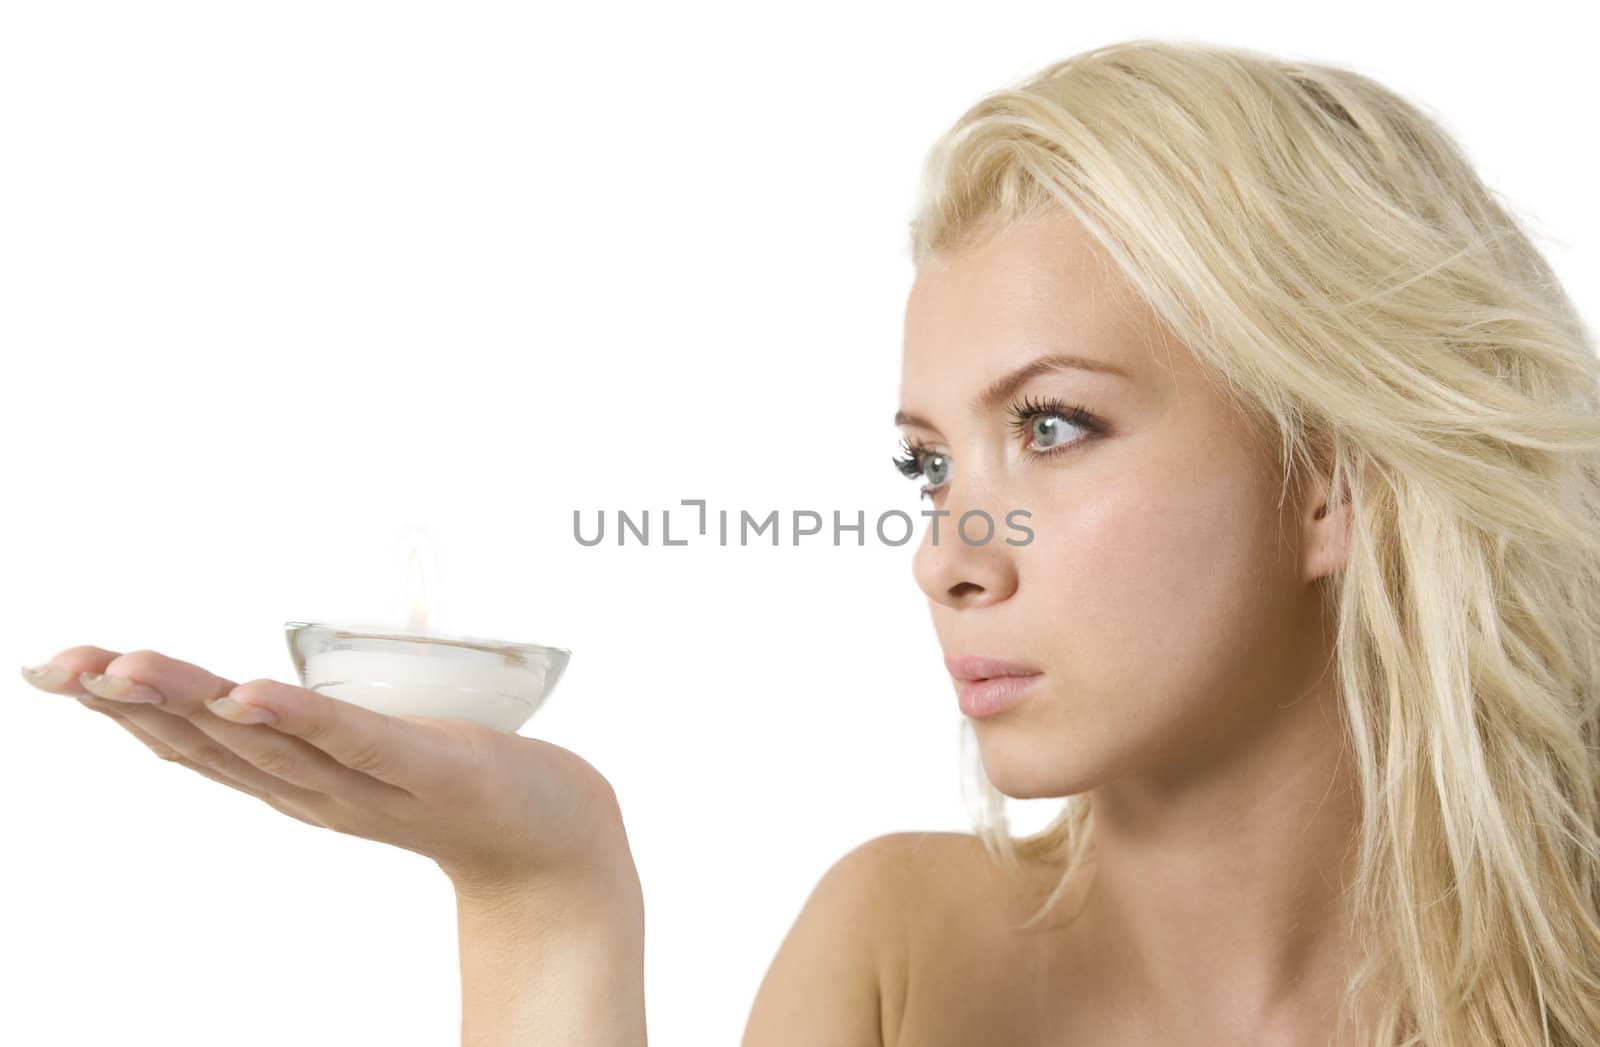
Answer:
x=1022 y=413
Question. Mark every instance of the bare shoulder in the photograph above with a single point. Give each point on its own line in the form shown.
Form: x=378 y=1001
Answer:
x=825 y=985
x=961 y=968
x=945 y=875
x=908 y=938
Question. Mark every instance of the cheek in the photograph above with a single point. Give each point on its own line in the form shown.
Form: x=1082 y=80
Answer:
x=1160 y=584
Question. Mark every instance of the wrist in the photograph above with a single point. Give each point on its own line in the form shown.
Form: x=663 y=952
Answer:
x=551 y=963
x=543 y=905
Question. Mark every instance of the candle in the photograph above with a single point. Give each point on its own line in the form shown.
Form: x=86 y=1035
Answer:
x=495 y=683
x=491 y=682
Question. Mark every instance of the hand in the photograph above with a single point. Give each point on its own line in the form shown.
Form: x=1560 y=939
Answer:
x=501 y=814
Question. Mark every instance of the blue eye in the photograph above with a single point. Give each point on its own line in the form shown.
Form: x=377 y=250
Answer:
x=916 y=460
x=1041 y=420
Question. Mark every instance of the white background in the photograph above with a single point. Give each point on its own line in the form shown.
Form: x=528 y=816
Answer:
x=281 y=282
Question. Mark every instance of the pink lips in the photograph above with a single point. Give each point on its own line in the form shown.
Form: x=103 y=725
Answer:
x=986 y=686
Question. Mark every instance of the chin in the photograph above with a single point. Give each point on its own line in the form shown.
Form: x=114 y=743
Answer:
x=1026 y=771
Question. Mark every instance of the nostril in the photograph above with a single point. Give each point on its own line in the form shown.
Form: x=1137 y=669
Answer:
x=964 y=588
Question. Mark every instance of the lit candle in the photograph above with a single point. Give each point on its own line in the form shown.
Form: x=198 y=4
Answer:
x=412 y=673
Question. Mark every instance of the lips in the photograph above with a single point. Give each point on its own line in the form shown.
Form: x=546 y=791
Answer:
x=979 y=667
x=986 y=686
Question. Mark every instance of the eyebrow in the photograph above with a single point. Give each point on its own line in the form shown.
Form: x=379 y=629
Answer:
x=1002 y=388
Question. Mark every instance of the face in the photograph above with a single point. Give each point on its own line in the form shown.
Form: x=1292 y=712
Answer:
x=1164 y=597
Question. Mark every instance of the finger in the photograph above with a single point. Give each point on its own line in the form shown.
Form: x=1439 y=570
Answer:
x=165 y=752
x=165 y=734
x=161 y=748
x=186 y=719
x=162 y=734
x=291 y=762
x=402 y=752
x=180 y=684
x=59 y=675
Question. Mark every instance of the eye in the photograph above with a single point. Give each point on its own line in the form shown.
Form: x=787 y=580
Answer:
x=1046 y=421
x=915 y=460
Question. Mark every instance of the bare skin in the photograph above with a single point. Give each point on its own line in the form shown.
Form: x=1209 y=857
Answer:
x=1172 y=607
x=494 y=810
x=549 y=904
x=957 y=970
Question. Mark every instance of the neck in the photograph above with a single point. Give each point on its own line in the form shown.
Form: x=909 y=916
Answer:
x=1216 y=886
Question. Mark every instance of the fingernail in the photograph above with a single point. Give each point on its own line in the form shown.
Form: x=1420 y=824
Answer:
x=239 y=712
x=46 y=677
x=119 y=688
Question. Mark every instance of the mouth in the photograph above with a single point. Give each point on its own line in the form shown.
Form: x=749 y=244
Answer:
x=982 y=667
x=986 y=686
x=986 y=697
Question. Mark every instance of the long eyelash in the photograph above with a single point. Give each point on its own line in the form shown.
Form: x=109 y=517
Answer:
x=1024 y=411
x=912 y=455
x=909 y=462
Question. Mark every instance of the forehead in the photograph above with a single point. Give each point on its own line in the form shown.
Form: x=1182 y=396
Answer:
x=1033 y=288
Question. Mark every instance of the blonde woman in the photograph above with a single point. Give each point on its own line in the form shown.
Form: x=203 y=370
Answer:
x=1307 y=632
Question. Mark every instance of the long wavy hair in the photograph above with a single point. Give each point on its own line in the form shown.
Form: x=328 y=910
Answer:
x=1364 y=300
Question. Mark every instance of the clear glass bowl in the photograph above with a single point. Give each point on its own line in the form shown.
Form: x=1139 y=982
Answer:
x=490 y=682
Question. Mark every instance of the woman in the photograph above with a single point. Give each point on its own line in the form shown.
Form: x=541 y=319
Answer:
x=1306 y=630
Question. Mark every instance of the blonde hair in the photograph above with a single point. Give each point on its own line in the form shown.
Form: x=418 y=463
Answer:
x=1332 y=259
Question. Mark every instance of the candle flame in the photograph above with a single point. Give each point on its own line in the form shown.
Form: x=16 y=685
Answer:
x=416 y=584
x=422 y=572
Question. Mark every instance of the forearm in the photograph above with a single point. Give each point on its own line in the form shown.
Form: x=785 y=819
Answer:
x=552 y=969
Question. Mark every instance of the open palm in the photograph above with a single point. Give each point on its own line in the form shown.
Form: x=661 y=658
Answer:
x=494 y=810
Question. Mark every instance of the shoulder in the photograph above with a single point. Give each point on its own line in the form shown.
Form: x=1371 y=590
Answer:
x=932 y=873
x=886 y=932
x=901 y=887
x=898 y=878
x=964 y=967
x=825 y=984
x=881 y=886
x=948 y=915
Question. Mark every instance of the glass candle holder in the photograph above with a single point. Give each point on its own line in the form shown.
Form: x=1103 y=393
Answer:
x=491 y=682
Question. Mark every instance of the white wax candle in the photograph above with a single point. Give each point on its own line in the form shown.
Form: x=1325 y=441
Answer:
x=400 y=683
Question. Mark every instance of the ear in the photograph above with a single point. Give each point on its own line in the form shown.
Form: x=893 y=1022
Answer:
x=1326 y=529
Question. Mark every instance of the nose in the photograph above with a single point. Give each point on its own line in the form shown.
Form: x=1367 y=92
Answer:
x=965 y=565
